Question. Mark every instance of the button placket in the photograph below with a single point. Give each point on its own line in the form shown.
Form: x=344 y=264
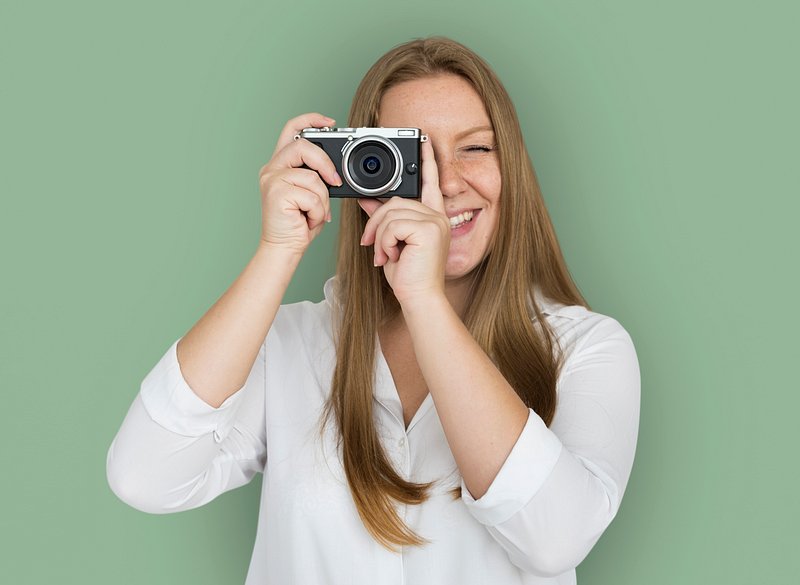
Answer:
x=404 y=454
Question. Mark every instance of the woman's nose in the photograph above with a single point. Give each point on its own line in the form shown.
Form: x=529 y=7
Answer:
x=451 y=180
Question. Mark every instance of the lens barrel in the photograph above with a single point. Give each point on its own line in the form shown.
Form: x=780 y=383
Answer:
x=371 y=165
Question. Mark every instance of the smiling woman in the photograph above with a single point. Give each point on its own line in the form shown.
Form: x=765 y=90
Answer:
x=452 y=412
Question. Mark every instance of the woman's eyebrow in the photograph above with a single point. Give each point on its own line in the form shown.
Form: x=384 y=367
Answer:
x=472 y=131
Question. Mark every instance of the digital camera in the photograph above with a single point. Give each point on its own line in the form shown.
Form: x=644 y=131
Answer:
x=373 y=162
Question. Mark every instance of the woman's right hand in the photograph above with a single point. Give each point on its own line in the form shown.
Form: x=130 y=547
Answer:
x=294 y=201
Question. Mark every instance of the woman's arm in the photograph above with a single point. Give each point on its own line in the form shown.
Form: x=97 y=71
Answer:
x=545 y=494
x=217 y=354
x=197 y=427
x=175 y=452
x=481 y=414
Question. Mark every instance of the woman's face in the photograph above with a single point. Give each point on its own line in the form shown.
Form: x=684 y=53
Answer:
x=451 y=113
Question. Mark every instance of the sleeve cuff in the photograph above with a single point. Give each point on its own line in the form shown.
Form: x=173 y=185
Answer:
x=523 y=473
x=171 y=403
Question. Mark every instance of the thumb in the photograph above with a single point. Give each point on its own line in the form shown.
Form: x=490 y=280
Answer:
x=431 y=194
x=369 y=205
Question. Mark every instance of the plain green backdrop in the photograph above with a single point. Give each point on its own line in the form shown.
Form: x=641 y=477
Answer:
x=665 y=137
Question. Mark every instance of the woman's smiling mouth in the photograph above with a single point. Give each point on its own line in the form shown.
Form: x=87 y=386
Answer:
x=462 y=222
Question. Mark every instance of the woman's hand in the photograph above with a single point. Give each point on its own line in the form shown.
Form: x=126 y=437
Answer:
x=412 y=238
x=294 y=201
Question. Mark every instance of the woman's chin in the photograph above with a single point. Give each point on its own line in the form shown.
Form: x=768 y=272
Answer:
x=458 y=268
x=460 y=264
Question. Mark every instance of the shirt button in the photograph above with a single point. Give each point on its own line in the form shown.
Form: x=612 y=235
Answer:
x=402 y=441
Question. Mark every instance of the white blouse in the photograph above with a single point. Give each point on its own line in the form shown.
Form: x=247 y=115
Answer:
x=556 y=493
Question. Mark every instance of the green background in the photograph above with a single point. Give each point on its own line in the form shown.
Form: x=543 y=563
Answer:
x=665 y=136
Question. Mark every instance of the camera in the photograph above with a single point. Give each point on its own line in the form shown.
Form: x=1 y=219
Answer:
x=373 y=162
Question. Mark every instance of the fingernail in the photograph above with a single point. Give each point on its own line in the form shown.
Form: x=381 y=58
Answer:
x=328 y=218
x=337 y=178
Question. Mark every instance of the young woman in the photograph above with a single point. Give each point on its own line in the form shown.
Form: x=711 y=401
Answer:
x=452 y=412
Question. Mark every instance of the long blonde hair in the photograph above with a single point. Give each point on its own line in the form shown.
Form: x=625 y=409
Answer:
x=501 y=316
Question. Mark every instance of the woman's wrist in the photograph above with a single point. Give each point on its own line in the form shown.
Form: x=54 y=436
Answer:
x=423 y=306
x=278 y=255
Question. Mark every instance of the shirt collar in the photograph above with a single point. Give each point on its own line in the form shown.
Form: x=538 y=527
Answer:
x=546 y=305
x=328 y=289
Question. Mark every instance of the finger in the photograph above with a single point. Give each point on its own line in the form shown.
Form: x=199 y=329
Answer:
x=431 y=194
x=309 y=180
x=308 y=203
x=369 y=205
x=391 y=216
x=303 y=152
x=375 y=210
x=379 y=213
x=393 y=238
x=295 y=125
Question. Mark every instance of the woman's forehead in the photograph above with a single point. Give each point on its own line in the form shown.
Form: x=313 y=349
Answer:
x=447 y=106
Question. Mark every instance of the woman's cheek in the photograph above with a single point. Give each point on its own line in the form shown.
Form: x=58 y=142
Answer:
x=486 y=169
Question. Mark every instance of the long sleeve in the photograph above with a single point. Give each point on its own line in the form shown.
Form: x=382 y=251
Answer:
x=561 y=487
x=176 y=452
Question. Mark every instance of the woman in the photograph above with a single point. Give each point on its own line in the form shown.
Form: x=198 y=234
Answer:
x=452 y=412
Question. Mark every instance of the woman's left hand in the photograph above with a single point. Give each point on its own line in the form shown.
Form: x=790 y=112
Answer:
x=412 y=238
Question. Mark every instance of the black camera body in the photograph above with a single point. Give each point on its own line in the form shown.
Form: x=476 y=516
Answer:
x=373 y=162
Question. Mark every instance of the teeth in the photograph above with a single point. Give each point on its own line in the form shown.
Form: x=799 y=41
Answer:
x=461 y=218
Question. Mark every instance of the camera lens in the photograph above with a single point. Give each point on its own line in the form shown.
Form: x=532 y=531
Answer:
x=371 y=164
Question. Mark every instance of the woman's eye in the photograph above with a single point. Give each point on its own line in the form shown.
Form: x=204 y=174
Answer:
x=477 y=148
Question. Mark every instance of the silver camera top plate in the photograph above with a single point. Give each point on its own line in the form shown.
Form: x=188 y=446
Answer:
x=355 y=133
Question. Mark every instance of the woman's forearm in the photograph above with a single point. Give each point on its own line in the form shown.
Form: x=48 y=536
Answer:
x=218 y=352
x=482 y=416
